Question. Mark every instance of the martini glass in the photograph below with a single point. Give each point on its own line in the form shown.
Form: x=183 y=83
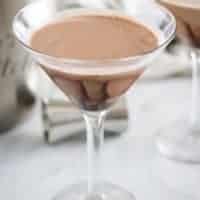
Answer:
x=181 y=139
x=92 y=85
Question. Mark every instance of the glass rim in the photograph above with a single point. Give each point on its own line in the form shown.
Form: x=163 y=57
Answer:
x=123 y=60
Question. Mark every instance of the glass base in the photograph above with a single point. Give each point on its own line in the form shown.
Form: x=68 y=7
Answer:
x=102 y=191
x=180 y=142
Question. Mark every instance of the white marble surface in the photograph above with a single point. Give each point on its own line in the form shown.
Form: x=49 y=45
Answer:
x=30 y=169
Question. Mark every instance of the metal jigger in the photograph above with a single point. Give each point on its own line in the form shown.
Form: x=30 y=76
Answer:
x=62 y=121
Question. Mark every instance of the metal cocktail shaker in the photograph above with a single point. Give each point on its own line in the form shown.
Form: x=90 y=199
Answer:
x=14 y=93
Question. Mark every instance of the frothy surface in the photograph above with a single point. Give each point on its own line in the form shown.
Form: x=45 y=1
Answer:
x=93 y=37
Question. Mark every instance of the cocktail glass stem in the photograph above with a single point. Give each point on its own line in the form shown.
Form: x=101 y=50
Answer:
x=95 y=138
x=181 y=140
x=195 y=106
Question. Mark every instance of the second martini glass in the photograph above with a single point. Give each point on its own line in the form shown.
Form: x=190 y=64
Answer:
x=180 y=140
x=122 y=74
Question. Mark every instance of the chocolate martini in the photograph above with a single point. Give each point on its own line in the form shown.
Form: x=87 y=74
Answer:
x=187 y=13
x=100 y=36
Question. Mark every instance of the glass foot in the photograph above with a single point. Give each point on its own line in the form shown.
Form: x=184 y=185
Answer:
x=102 y=191
x=180 y=142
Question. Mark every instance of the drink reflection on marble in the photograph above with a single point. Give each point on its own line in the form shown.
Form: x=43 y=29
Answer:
x=94 y=56
x=181 y=140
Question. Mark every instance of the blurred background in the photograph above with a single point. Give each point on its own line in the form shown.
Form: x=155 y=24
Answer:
x=42 y=140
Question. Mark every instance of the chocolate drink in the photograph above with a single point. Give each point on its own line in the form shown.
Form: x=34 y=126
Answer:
x=187 y=13
x=89 y=37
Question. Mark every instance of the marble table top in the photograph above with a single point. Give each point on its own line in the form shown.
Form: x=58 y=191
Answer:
x=31 y=169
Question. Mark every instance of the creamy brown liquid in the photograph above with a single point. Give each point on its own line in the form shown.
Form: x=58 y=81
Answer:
x=187 y=13
x=91 y=37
